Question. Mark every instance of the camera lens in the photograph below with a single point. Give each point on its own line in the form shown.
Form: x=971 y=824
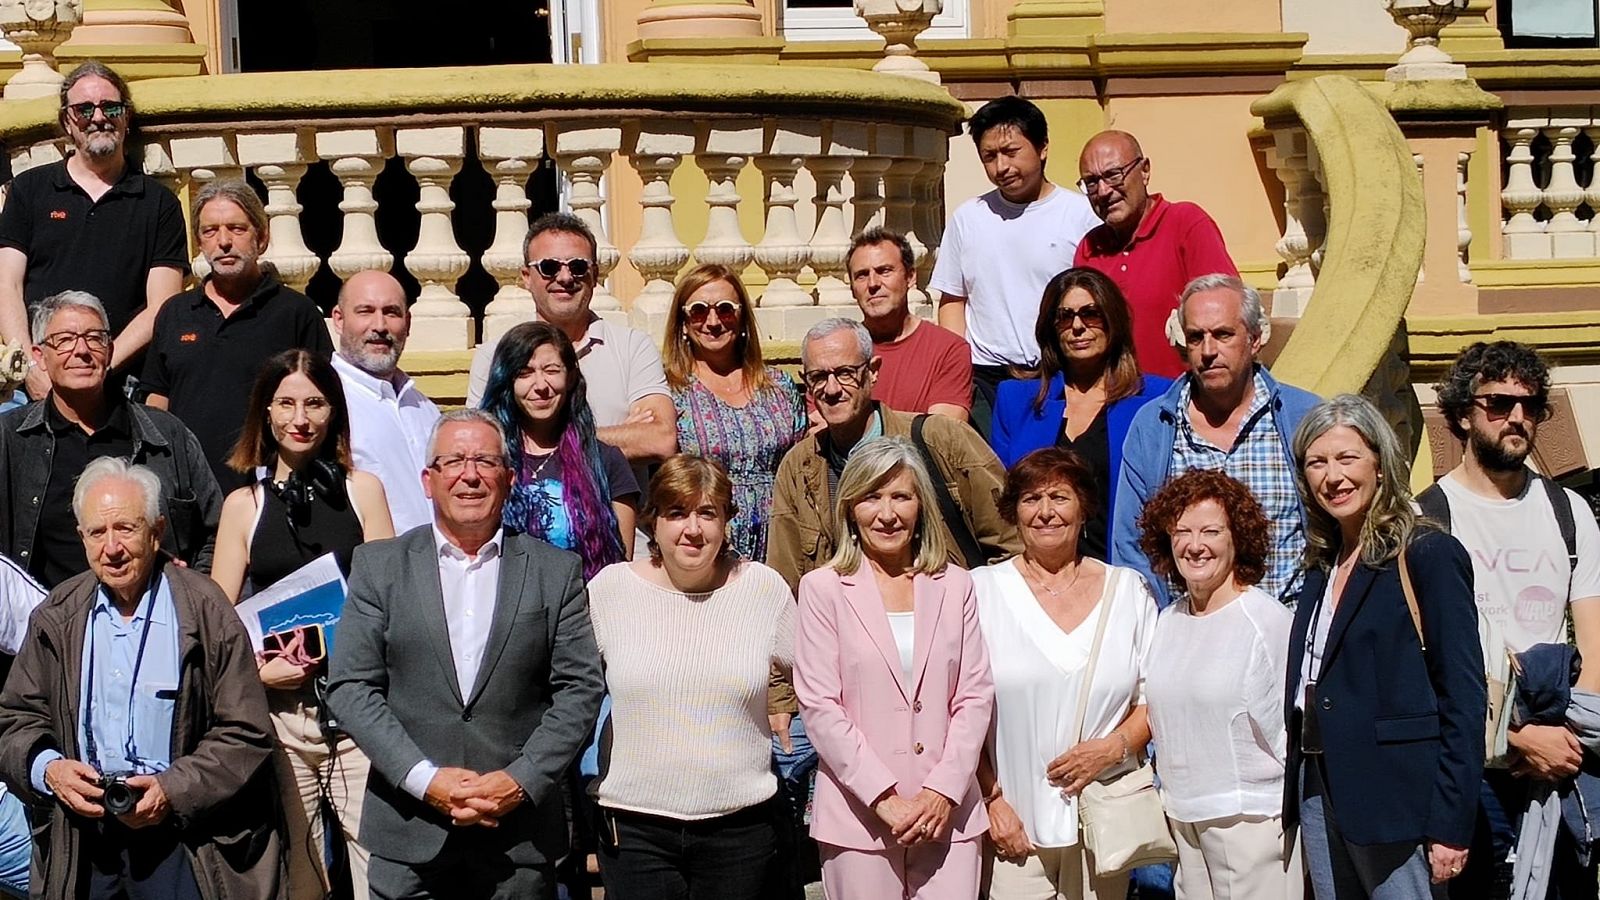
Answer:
x=119 y=798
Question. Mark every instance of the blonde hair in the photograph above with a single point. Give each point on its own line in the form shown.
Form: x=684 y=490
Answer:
x=677 y=351
x=1390 y=519
x=869 y=467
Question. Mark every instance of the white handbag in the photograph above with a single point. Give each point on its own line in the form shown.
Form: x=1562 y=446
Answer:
x=1120 y=818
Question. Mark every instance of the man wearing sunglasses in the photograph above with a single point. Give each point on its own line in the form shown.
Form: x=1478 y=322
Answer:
x=1536 y=564
x=1151 y=248
x=94 y=223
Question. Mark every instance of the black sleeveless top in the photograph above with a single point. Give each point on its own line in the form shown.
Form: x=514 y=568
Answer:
x=283 y=541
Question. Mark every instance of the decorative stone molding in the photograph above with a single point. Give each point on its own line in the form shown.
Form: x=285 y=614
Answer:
x=38 y=27
x=1423 y=20
x=899 y=22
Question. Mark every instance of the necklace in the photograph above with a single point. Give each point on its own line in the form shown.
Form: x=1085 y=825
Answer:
x=1054 y=593
x=533 y=476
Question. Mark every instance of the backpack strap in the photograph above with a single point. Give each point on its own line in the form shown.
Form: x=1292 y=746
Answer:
x=1561 y=505
x=966 y=544
x=1435 y=505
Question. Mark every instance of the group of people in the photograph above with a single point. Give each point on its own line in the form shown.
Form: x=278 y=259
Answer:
x=1084 y=595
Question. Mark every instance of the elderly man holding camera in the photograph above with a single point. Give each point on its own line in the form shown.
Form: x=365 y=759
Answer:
x=134 y=713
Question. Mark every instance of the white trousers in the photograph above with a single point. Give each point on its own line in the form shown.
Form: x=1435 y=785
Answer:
x=1053 y=873
x=1236 y=858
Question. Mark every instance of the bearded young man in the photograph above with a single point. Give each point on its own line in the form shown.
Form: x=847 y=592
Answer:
x=1536 y=561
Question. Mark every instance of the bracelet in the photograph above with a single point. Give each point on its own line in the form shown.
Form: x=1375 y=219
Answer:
x=1126 y=749
x=993 y=795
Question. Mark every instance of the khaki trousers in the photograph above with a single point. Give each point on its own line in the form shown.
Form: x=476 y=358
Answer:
x=305 y=764
x=1053 y=873
x=1236 y=858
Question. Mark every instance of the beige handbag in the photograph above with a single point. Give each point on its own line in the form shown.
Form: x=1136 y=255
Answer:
x=1120 y=818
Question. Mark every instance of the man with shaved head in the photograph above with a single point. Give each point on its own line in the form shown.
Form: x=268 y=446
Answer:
x=390 y=419
x=1150 y=247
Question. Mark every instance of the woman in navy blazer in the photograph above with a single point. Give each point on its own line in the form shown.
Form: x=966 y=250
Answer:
x=1088 y=389
x=1386 y=808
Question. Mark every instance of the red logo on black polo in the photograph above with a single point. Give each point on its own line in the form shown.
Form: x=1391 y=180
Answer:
x=188 y=337
x=58 y=214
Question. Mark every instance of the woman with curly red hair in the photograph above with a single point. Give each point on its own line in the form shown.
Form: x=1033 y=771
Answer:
x=1214 y=686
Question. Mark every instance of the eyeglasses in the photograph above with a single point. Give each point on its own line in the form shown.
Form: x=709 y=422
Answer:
x=1499 y=406
x=550 y=267
x=697 y=312
x=67 y=341
x=1110 y=178
x=317 y=409
x=112 y=109
x=1092 y=316
x=456 y=464
x=847 y=376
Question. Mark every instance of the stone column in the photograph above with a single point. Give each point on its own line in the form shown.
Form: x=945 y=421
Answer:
x=279 y=160
x=782 y=251
x=38 y=28
x=1301 y=196
x=357 y=157
x=1568 y=236
x=583 y=153
x=1524 y=238
x=866 y=176
x=658 y=254
x=725 y=150
x=830 y=242
x=509 y=155
x=899 y=205
x=440 y=321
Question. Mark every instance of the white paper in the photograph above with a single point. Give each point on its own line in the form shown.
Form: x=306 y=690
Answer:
x=320 y=571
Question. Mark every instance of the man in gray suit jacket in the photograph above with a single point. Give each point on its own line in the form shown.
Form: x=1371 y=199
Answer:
x=465 y=667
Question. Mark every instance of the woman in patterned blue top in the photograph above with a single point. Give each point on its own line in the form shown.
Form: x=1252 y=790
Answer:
x=732 y=407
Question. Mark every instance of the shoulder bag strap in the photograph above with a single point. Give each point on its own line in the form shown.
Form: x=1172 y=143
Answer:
x=1411 y=598
x=1094 y=652
x=1436 y=505
x=966 y=544
x=1561 y=505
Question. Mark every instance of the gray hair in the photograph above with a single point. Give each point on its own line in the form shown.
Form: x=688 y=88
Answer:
x=833 y=326
x=1391 y=518
x=240 y=194
x=1250 y=308
x=49 y=306
x=94 y=68
x=466 y=414
x=870 y=466
x=115 y=468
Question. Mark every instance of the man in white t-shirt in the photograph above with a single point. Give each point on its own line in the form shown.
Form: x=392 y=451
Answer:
x=1001 y=248
x=1527 y=579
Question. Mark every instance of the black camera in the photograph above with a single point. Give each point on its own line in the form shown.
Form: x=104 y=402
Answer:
x=120 y=797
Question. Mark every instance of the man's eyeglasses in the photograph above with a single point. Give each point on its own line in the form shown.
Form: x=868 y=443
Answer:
x=1499 y=406
x=697 y=312
x=1092 y=316
x=847 y=376
x=67 y=341
x=550 y=267
x=456 y=464
x=1113 y=177
x=112 y=109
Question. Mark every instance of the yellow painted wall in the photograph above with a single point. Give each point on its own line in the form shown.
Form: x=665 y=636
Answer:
x=1147 y=16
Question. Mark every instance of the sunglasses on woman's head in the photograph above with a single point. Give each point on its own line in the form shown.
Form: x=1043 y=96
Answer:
x=697 y=312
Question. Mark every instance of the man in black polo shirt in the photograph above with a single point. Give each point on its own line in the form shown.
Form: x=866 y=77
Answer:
x=91 y=223
x=210 y=342
x=44 y=445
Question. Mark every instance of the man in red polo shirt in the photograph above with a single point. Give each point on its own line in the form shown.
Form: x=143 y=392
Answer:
x=1151 y=248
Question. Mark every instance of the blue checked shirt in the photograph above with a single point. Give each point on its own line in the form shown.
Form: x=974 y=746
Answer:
x=1257 y=459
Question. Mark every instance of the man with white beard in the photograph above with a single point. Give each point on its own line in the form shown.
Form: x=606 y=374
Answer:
x=390 y=419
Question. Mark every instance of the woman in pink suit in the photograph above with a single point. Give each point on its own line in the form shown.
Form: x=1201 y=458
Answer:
x=894 y=686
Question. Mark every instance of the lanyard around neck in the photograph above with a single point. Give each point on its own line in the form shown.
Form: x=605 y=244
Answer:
x=130 y=750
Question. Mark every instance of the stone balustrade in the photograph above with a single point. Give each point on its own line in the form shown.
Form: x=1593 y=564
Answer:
x=851 y=149
x=1551 y=193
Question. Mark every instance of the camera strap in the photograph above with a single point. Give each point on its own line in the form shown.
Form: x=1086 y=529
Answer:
x=129 y=749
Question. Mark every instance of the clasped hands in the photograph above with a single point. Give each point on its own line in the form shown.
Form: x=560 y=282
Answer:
x=472 y=799
x=76 y=786
x=921 y=819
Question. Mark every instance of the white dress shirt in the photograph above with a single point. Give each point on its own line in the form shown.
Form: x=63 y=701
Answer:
x=390 y=421
x=469 y=585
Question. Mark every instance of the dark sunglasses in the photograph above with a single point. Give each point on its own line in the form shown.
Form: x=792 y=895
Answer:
x=113 y=109
x=550 y=267
x=697 y=312
x=1092 y=316
x=1499 y=406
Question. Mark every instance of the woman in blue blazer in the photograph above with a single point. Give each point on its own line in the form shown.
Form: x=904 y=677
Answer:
x=1088 y=389
x=1385 y=708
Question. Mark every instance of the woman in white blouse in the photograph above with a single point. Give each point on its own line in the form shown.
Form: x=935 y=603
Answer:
x=1038 y=613
x=1215 y=690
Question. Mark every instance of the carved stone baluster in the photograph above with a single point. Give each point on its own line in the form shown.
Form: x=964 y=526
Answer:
x=1524 y=237
x=1463 y=228
x=279 y=160
x=725 y=150
x=203 y=159
x=830 y=242
x=1289 y=159
x=1569 y=237
x=440 y=321
x=899 y=203
x=1420 y=162
x=1316 y=209
x=1591 y=194
x=658 y=254
x=356 y=158
x=782 y=251
x=509 y=155
x=583 y=155
x=158 y=165
x=866 y=175
x=931 y=146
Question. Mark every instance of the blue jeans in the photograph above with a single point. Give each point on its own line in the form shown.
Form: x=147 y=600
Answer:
x=16 y=846
x=1341 y=870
